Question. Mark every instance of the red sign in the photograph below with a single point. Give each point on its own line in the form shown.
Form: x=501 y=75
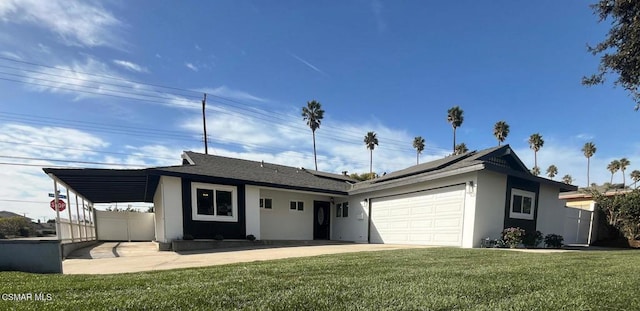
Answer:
x=61 y=205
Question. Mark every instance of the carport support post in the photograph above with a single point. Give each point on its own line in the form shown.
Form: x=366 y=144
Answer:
x=55 y=198
x=84 y=220
x=70 y=217
x=78 y=216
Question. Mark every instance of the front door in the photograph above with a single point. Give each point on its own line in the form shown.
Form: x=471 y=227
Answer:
x=321 y=220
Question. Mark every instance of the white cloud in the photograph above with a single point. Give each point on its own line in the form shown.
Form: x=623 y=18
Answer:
x=308 y=64
x=227 y=93
x=130 y=66
x=191 y=66
x=8 y=54
x=78 y=23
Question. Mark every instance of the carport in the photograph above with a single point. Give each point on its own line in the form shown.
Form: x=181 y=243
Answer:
x=90 y=186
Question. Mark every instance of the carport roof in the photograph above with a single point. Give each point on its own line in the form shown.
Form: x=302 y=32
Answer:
x=108 y=185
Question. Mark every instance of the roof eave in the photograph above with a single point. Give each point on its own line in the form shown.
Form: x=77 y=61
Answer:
x=413 y=179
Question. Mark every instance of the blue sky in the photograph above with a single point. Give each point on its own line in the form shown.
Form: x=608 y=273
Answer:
x=81 y=81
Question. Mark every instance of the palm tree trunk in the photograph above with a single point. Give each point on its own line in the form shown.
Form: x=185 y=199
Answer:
x=611 y=181
x=588 y=164
x=417 y=158
x=454 y=139
x=370 y=163
x=535 y=158
x=623 y=180
x=315 y=159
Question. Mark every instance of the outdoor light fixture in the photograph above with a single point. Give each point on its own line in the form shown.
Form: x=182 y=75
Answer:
x=332 y=200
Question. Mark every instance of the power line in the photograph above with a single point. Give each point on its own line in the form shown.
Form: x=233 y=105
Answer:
x=67 y=161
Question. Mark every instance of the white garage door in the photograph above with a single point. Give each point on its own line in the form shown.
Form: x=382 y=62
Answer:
x=431 y=217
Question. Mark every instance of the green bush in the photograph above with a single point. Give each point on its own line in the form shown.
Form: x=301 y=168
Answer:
x=11 y=226
x=251 y=237
x=512 y=236
x=553 y=240
x=622 y=211
x=532 y=239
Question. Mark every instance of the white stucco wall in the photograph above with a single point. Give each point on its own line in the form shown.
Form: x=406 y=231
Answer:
x=158 y=209
x=168 y=199
x=281 y=223
x=252 y=211
x=490 y=206
x=551 y=211
x=357 y=230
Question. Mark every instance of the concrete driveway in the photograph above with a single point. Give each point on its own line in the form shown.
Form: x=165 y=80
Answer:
x=125 y=257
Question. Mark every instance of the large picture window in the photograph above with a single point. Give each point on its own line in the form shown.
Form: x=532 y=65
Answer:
x=214 y=202
x=522 y=204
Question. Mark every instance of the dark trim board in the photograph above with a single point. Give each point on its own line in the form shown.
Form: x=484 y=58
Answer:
x=209 y=229
x=526 y=185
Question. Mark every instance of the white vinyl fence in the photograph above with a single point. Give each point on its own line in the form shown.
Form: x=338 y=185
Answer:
x=125 y=226
x=578 y=226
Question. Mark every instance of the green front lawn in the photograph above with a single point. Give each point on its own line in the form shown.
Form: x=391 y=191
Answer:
x=417 y=279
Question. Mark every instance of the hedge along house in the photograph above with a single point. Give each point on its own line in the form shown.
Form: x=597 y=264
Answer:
x=454 y=201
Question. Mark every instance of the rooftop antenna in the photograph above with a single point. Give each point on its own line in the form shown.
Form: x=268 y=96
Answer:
x=204 y=124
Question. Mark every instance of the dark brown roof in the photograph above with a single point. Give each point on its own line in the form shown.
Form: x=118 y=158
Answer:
x=260 y=173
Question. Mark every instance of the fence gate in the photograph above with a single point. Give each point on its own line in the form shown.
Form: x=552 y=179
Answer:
x=125 y=226
x=578 y=226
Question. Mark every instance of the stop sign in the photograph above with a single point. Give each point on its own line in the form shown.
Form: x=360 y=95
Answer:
x=61 y=205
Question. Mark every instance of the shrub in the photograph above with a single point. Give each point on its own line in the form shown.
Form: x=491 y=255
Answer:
x=2 y=236
x=512 y=236
x=532 y=239
x=251 y=237
x=218 y=237
x=553 y=240
x=187 y=237
x=24 y=232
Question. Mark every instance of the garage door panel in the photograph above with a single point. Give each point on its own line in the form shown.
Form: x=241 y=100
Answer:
x=428 y=218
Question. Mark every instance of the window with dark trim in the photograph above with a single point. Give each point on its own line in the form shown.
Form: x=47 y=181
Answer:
x=266 y=203
x=214 y=202
x=296 y=205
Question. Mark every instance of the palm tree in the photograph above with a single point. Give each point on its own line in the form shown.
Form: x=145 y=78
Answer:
x=418 y=143
x=552 y=171
x=567 y=179
x=460 y=149
x=535 y=171
x=501 y=131
x=455 y=117
x=589 y=149
x=371 y=141
x=535 y=142
x=635 y=176
x=624 y=162
x=613 y=167
x=313 y=114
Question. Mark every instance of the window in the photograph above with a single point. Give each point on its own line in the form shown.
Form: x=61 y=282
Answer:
x=345 y=209
x=214 y=202
x=296 y=205
x=338 y=210
x=266 y=203
x=522 y=204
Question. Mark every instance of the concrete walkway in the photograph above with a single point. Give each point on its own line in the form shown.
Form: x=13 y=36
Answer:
x=110 y=258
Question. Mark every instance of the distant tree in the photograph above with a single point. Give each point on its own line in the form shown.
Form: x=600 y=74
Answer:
x=418 y=144
x=362 y=177
x=589 y=149
x=567 y=179
x=460 y=148
x=150 y=209
x=620 y=49
x=635 y=176
x=371 y=141
x=313 y=114
x=535 y=143
x=455 y=117
x=501 y=131
x=613 y=167
x=624 y=162
x=14 y=226
x=535 y=171
x=552 y=171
